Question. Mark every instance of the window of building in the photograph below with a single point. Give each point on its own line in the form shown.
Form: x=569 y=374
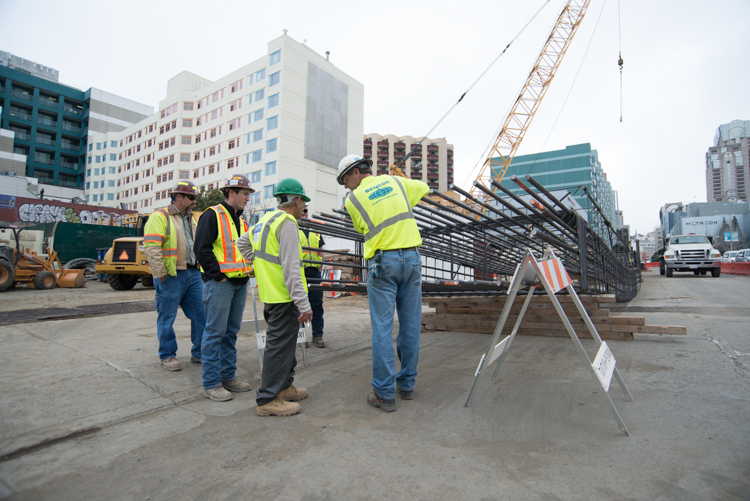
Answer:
x=268 y=191
x=184 y=157
x=91 y=147
x=98 y=159
x=196 y=173
x=255 y=177
x=96 y=184
x=98 y=146
x=235 y=87
x=275 y=57
x=95 y=197
x=197 y=138
x=186 y=140
x=212 y=150
x=187 y=122
x=111 y=183
x=258 y=135
x=271 y=145
x=273 y=100
x=258 y=115
x=113 y=157
x=233 y=143
x=113 y=144
x=259 y=95
x=235 y=105
x=271 y=168
x=110 y=196
x=184 y=174
x=211 y=169
x=274 y=78
x=187 y=106
x=257 y=156
x=234 y=124
x=213 y=132
x=88 y=185
x=232 y=162
x=112 y=170
x=272 y=122
x=260 y=75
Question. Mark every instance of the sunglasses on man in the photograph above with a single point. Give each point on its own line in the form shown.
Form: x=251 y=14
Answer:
x=192 y=198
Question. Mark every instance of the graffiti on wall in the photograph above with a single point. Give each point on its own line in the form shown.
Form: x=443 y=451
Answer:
x=46 y=213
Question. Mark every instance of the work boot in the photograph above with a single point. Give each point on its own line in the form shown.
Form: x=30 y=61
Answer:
x=405 y=395
x=318 y=341
x=386 y=405
x=218 y=394
x=278 y=407
x=171 y=364
x=293 y=394
x=236 y=385
x=195 y=360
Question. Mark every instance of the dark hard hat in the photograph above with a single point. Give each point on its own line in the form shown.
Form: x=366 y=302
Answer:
x=238 y=181
x=184 y=188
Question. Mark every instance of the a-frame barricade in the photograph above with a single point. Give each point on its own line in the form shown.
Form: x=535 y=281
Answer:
x=552 y=275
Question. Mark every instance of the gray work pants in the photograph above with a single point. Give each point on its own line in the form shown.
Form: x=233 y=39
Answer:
x=279 y=359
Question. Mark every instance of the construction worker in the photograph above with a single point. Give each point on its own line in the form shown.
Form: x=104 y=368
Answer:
x=274 y=246
x=380 y=208
x=168 y=244
x=225 y=277
x=309 y=238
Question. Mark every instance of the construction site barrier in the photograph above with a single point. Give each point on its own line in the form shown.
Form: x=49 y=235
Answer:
x=735 y=268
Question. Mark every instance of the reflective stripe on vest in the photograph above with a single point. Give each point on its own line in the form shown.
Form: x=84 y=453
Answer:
x=168 y=253
x=231 y=262
x=372 y=229
x=312 y=242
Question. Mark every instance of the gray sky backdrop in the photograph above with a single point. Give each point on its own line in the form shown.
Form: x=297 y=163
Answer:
x=686 y=70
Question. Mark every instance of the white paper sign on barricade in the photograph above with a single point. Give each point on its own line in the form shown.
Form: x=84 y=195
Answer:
x=604 y=365
x=260 y=340
x=302 y=334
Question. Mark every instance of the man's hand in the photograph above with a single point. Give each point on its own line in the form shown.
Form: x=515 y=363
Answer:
x=162 y=279
x=305 y=317
x=223 y=280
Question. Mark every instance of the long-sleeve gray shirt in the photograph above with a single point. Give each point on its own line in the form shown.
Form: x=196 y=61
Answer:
x=287 y=233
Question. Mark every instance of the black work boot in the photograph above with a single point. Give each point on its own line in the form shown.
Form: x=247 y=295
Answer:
x=405 y=395
x=386 y=405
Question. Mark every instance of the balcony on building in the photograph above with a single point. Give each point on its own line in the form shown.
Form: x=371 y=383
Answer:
x=433 y=166
x=416 y=175
x=433 y=184
x=21 y=113
x=69 y=145
x=68 y=163
x=383 y=163
x=70 y=126
x=368 y=142
x=23 y=93
x=74 y=108
x=367 y=152
x=382 y=153
x=417 y=154
x=44 y=158
x=449 y=170
x=432 y=147
x=45 y=139
x=46 y=120
x=399 y=154
x=399 y=146
x=450 y=152
x=20 y=133
x=68 y=181
x=450 y=161
x=450 y=179
x=43 y=176
x=383 y=144
x=382 y=172
x=432 y=157
x=433 y=175
x=50 y=101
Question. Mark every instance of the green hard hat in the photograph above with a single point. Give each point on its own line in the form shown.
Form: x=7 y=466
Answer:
x=290 y=186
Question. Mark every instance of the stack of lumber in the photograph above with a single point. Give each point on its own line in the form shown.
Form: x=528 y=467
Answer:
x=480 y=314
x=330 y=260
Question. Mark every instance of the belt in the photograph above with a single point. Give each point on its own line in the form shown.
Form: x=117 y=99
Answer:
x=191 y=265
x=396 y=250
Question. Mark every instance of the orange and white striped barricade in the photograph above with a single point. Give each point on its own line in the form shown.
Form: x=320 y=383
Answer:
x=550 y=273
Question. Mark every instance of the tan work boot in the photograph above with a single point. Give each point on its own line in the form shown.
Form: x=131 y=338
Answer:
x=171 y=364
x=293 y=394
x=218 y=394
x=236 y=385
x=278 y=407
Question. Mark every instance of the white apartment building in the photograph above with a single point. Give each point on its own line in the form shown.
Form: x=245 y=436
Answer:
x=431 y=161
x=290 y=113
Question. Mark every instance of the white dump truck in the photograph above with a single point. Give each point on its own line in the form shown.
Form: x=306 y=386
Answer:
x=691 y=253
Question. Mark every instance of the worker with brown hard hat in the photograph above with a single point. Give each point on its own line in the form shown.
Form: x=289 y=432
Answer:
x=380 y=208
x=225 y=277
x=168 y=244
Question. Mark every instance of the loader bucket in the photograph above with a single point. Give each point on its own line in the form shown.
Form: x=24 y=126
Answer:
x=70 y=278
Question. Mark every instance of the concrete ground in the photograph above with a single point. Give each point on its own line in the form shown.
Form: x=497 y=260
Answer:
x=86 y=411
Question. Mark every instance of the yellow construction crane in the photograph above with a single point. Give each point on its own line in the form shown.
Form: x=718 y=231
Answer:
x=522 y=113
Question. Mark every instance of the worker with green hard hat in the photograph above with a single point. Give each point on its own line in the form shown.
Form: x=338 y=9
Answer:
x=273 y=246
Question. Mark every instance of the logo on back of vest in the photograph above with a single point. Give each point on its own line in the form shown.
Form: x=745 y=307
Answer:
x=380 y=193
x=256 y=232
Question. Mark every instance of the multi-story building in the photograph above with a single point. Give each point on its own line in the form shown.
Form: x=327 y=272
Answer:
x=29 y=67
x=570 y=169
x=431 y=160
x=290 y=113
x=727 y=169
x=51 y=121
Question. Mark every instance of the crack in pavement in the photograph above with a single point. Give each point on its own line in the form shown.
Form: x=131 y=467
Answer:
x=728 y=353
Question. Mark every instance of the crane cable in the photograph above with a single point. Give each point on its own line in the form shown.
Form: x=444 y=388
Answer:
x=485 y=71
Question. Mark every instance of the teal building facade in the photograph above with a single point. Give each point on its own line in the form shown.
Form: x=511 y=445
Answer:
x=571 y=169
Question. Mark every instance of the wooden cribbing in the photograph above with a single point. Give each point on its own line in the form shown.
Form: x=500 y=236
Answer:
x=481 y=314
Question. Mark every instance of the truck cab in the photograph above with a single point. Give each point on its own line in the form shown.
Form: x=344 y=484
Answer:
x=691 y=252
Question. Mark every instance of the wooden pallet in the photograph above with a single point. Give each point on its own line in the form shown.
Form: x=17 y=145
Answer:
x=541 y=319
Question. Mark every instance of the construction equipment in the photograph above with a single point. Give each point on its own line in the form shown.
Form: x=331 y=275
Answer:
x=17 y=266
x=125 y=262
x=533 y=91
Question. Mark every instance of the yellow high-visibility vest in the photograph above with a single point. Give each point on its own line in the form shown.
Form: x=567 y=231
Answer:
x=231 y=262
x=313 y=241
x=158 y=231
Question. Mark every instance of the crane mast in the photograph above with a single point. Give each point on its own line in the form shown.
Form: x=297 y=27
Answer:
x=522 y=113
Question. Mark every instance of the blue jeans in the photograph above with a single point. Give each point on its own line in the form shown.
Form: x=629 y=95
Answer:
x=397 y=281
x=224 y=304
x=184 y=291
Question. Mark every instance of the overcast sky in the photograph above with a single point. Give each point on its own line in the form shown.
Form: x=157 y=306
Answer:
x=686 y=70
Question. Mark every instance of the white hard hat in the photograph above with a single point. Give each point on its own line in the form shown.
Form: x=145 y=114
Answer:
x=348 y=163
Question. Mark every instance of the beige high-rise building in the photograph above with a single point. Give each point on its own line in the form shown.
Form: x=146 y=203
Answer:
x=727 y=168
x=431 y=162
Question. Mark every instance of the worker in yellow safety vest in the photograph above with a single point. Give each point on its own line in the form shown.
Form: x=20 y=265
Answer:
x=274 y=246
x=168 y=244
x=381 y=210
x=315 y=241
x=225 y=277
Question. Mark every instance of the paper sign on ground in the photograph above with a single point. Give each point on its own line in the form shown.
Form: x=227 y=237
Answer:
x=604 y=365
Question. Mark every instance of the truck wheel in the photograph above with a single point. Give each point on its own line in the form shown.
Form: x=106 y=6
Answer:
x=147 y=281
x=696 y=273
x=122 y=282
x=668 y=271
x=7 y=275
x=715 y=272
x=661 y=267
x=45 y=280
